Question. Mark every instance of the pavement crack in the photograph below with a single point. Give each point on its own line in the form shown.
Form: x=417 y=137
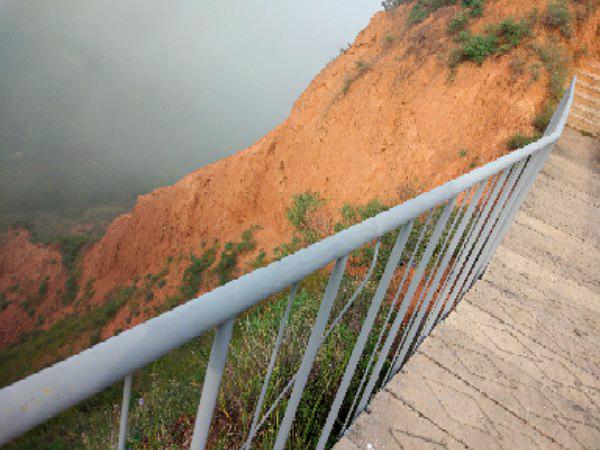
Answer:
x=416 y=436
x=484 y=394
x=424 y=417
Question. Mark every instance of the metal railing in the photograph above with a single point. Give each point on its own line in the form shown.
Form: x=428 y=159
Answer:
x=436 y=246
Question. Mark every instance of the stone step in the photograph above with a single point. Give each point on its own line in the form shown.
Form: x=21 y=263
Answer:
x=534 y=287
x=594 y=66
x=517 y=363
x=571 y=193
x=554 y=249
x=559 y=210
x=592 y=77
x=591 y=114
x=583 y=129
x=541 y=317
x=587 y=111
x=584 y=124
x=581 y=98
x=570 y=173
x=578 y=149
x=587 y=87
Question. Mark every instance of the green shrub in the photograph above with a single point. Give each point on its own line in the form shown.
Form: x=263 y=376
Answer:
x=477 y=47
x=346 y=86
x=4 y=302
x=226 y=268
x=542 y=120
x=362 y=66
x=458 y=23
x=95 y=337
x=423 y=8
x=555 y=61
x=558 y=16
x=71 y=289
x=43 y=289
x=192 y=276
x=497 y=39
x=260 y=260
x=417 y=14
x=299 y=214
x=475 y=7
x=520 y=140
x=70 y=247
x=510 y=33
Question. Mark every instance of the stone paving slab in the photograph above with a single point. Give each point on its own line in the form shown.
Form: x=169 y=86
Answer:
x=517 y=365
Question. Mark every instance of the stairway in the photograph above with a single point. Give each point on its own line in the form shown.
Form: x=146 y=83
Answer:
x=518 y=364
x=585 y=114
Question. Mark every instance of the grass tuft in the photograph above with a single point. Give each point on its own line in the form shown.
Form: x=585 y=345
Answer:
x=520 y=140
x=422 y=9
x=558 y=16
x=192 y=276
x=226 y=268
x=458 y=23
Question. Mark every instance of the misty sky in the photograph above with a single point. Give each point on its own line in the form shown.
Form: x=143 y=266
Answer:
x=100 y=100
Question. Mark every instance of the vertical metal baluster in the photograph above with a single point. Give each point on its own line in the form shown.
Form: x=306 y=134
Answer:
x=387 y=319
x=212 y=383
x=488 y=232
x=422 y=297
x=449 y=280
x=357 y=292
x=503 y=220
x=124 y=412
x=278 y=341
x=410 y=335
x=476 y=239
x=439 y=228
x=462 y=264
x=311 y=351
x=535 y=165
x=428 y=283
x=423 y=331
x=359 y=345
x=512 y=207
x=400 y=287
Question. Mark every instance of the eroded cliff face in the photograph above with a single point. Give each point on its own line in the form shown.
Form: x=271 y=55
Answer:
x=384 y=120
x=32 y=275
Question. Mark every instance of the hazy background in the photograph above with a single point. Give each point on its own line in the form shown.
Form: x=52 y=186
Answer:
x=101 y=100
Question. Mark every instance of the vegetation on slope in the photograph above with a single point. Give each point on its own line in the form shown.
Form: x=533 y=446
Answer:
x=166 y=394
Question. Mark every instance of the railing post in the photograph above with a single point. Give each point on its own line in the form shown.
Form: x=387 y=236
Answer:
x=449 y=252
x=359 y=345
x=412 y=288
x=536 y=164
x=310 y=353
x=124 y=412
x=212 y=383
x=473 y=246
x=278 y=340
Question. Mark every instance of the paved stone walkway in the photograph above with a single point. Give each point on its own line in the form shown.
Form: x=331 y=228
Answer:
x=518 y=364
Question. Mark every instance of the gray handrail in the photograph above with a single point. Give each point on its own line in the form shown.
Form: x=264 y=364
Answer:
x=35 y=399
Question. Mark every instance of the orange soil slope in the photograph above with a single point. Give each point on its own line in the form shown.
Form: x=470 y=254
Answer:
x=399 y=129
x=23 y=268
